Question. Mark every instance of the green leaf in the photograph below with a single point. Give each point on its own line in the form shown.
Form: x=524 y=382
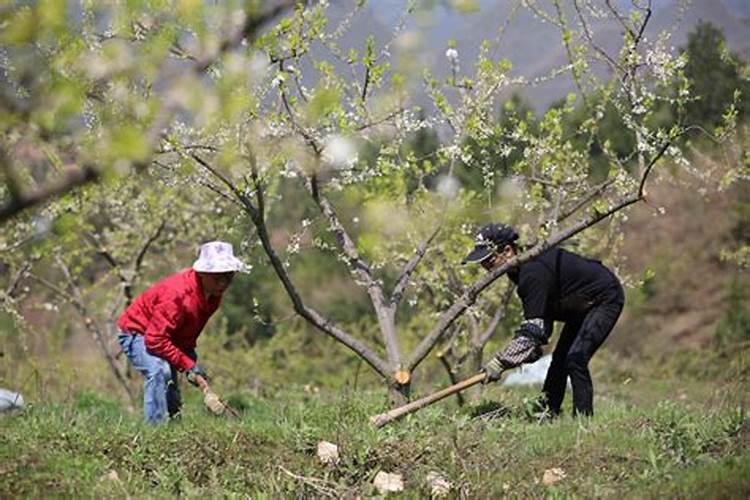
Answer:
x=20 y=27
x=52 y=14
x=324 y=102
x=465 y=6
x=599 y=207
x=129 y=143
x=504 y=65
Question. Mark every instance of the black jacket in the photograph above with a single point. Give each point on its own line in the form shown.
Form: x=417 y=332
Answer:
x=558 y=285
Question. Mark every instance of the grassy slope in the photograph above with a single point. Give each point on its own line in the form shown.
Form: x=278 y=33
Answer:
x=694 y=443
x=666 y=426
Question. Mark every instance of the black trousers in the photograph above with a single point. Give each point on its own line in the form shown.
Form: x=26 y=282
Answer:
x=579 y=340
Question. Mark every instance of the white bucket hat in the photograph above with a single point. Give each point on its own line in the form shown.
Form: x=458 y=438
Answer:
x=218 y=257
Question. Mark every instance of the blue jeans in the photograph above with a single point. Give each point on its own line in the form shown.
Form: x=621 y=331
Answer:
x=161 y=394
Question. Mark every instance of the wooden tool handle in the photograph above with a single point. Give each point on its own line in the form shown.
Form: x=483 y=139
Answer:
x=383 y=418
x=202 y=383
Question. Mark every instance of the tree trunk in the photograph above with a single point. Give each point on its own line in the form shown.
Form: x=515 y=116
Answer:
x=475 y=359
x=399 y=394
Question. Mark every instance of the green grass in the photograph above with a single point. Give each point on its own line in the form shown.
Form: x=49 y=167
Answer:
x=630 y=449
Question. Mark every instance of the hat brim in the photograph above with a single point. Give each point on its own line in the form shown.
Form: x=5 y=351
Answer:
x=226 y=265
x=477 y=255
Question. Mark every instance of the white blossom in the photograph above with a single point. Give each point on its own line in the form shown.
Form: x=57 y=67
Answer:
x=278 y=80
x=448 y=186
x=340 y=152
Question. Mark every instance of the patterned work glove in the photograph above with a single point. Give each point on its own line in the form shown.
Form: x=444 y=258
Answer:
x=194 y=372
x=492 y=369
x=520 y=350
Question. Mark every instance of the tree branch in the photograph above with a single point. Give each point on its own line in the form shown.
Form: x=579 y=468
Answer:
x=76 y=176
x=299 y=128
x=244 y=200
x=73 y=177
x=76 y=300
x=308 y=313
x=596 y=191
x=144 y=248
x=452 y=377
x=650 y=166
x=618 y=16
x=403 y=279
x=385 y=314
x=16 y=280
x=256 y=213
x=247 y=31
x=485 y=337
x=642 y=29
x=376 y=122
x=590 y=38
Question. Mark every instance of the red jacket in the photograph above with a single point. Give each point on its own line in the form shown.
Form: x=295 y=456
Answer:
x=170 y=315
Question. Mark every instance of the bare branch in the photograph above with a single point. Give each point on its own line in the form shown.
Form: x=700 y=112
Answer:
x=385 y=313
x=151 y=239
x=406 y=272
x=308 y=313
x=531 y=5
x=452 y=376
x=393 y=114
x=590 y=38
x=127 y=281
x=485 y=337
x=347 y=245
x=248 y=30
x=363 y=97
x=102 y=251
x=650 y=166
x=299 y=128
x=256 y=213
x=66 y=296
x=642 y=28
x=16 y=280
x=618 y=16
x=243 y=199
x=596 y=191
x=93 y=328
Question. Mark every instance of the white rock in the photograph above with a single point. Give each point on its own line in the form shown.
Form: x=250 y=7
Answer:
x=553 y=476
x=328 y=453
x=110 y=476
x=386 y=482
x=439 y=486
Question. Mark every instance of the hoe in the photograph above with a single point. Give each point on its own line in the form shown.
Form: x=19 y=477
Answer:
x=389 y=416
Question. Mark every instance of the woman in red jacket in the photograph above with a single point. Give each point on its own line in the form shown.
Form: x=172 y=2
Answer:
x=158 y=331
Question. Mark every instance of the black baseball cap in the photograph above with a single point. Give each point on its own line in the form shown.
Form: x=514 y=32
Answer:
x=489 y=239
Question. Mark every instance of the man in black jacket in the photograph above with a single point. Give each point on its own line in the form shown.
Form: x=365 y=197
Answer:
x=557 y=285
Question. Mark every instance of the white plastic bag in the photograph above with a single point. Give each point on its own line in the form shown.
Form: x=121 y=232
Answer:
x=10 y=401
x=531 y=374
